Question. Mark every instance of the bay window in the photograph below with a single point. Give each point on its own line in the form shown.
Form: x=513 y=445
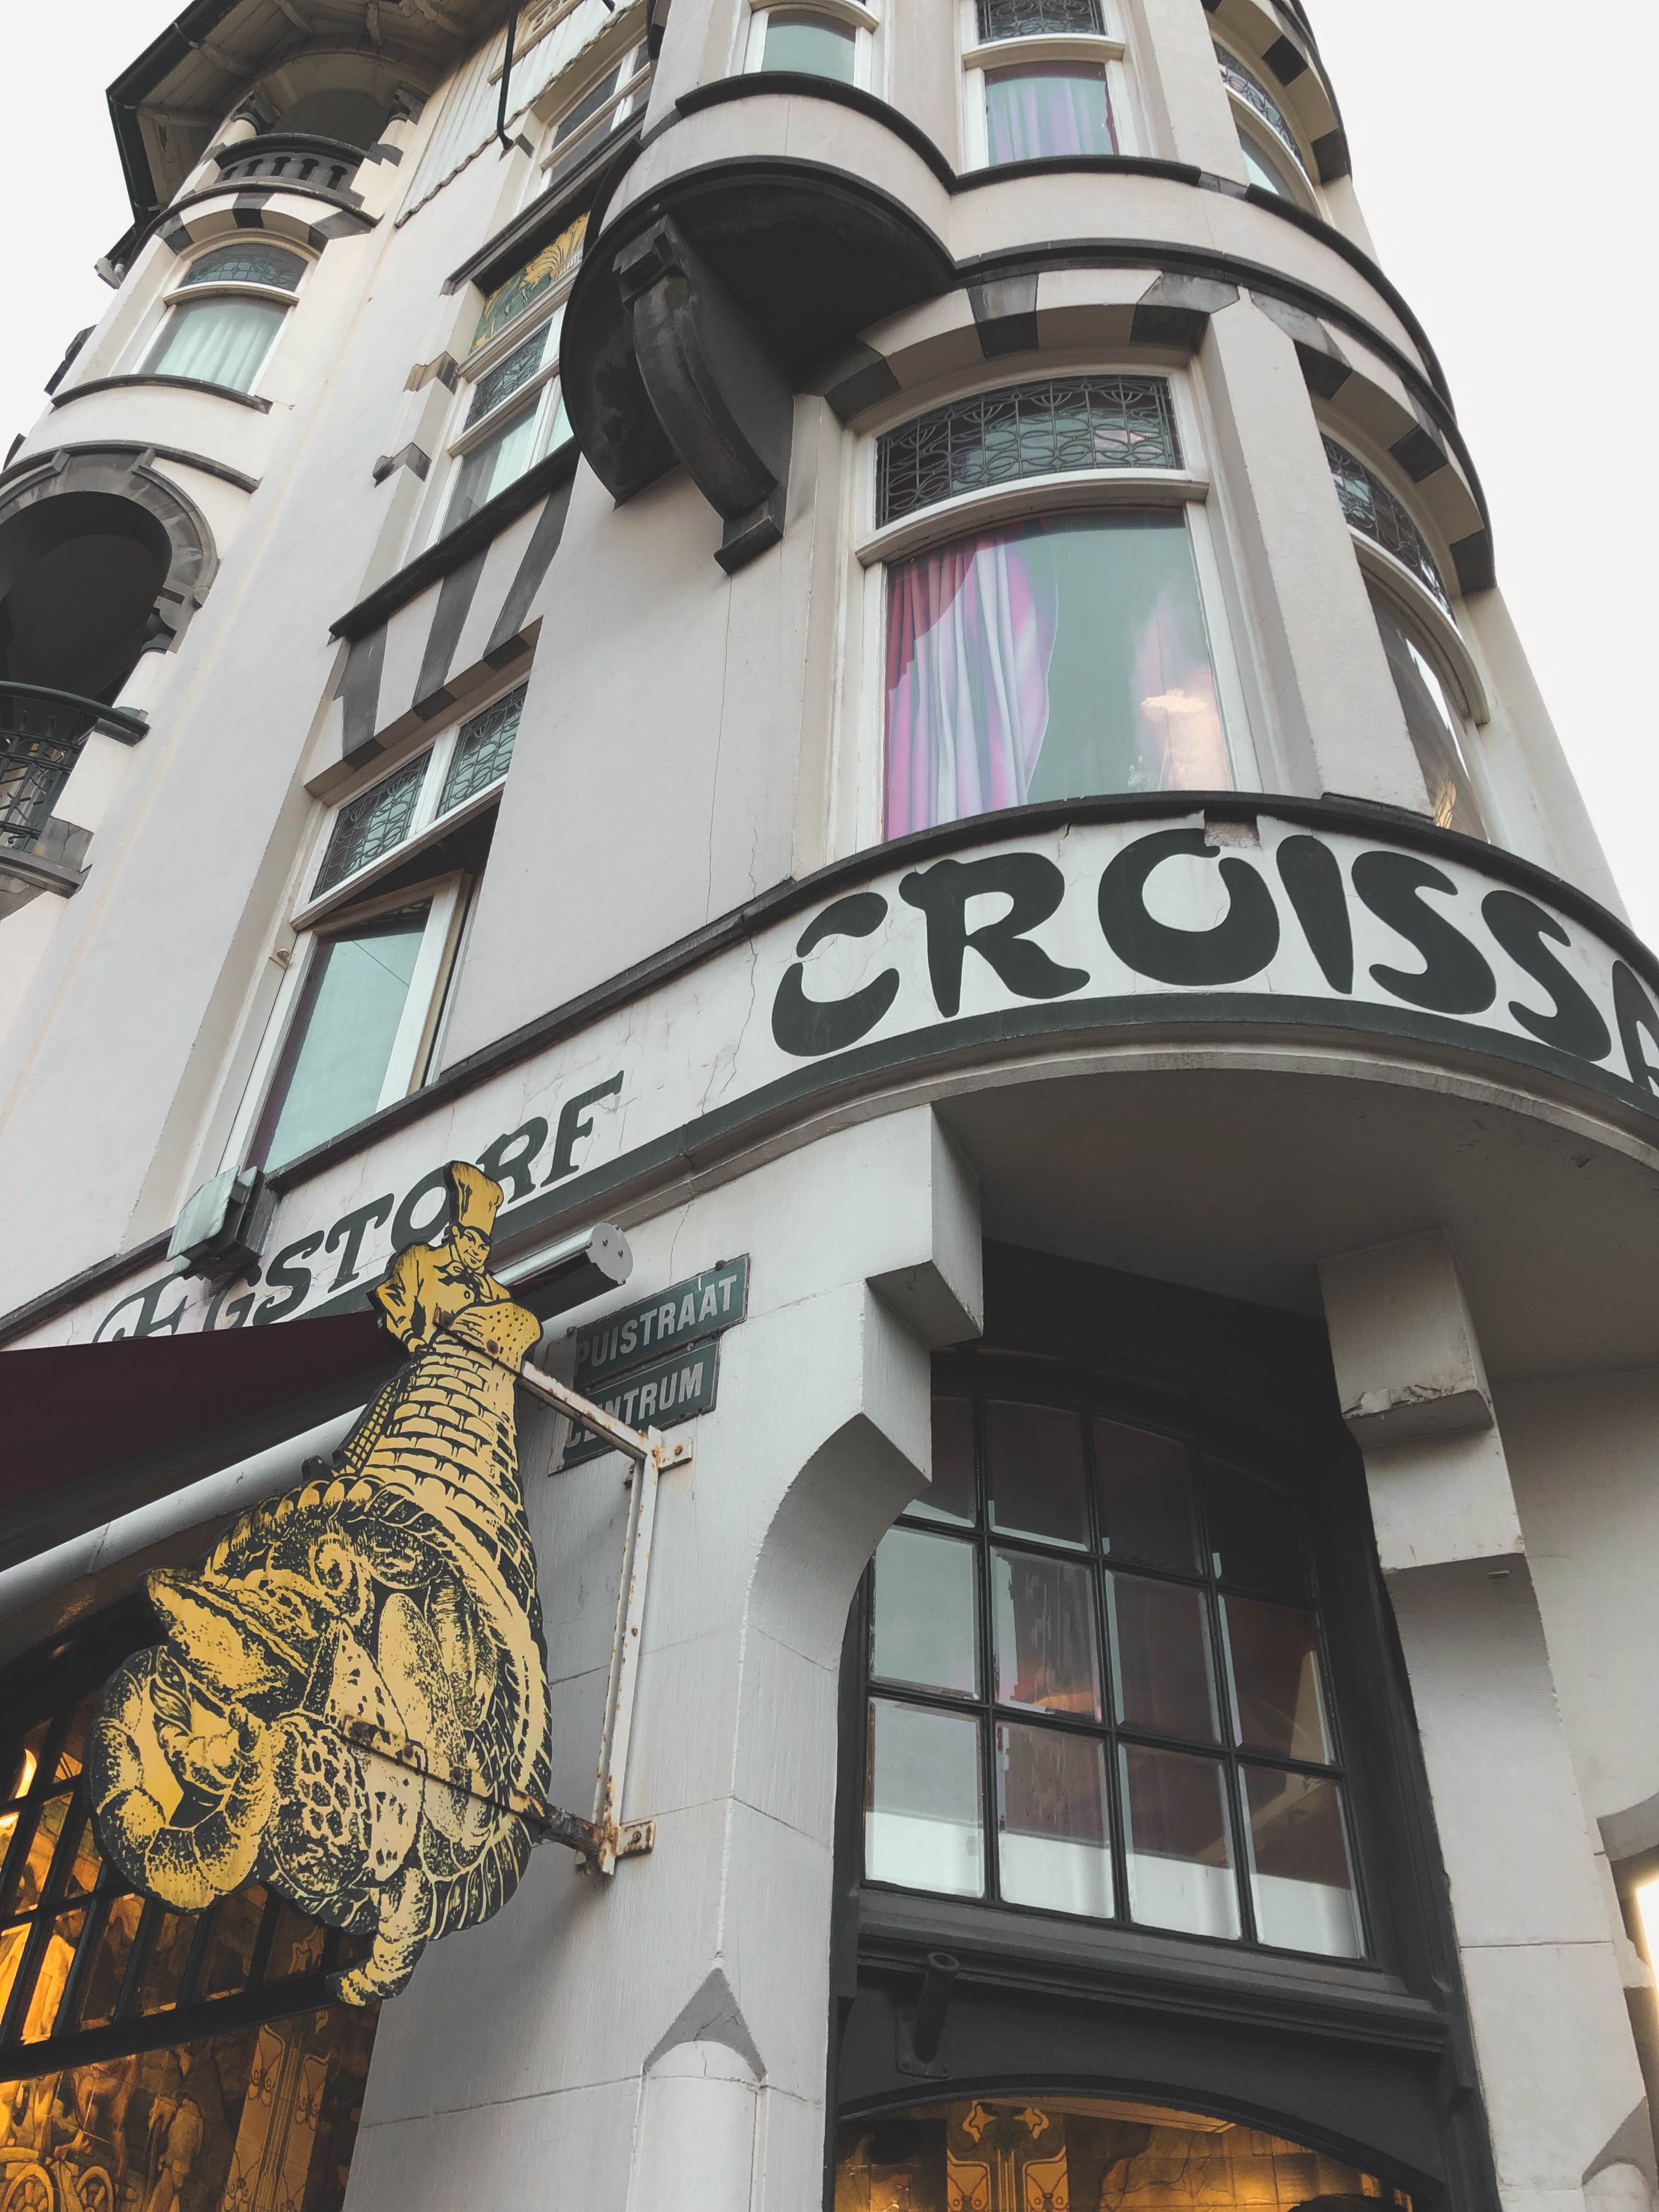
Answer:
x=1402 y=572
x=224 y=314
x=1043 y=82
x=1061 y=651
x=356 y=1025
x=1095 y=1685
x=1273 y=154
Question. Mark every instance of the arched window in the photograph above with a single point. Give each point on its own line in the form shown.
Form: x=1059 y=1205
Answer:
x=224 y=314
x=1069 y=648
x=1273 y=153
x=153 y=2057
x=1438 y=729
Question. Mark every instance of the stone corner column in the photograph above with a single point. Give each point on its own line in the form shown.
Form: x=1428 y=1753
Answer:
x=1558 y=2069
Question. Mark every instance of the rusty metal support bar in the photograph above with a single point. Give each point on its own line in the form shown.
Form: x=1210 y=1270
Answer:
x=606 y=1839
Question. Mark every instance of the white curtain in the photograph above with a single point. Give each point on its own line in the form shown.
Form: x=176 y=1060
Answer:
x=217 y=341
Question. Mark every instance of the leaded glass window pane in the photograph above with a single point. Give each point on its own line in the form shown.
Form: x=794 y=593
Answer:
x=371 y=825
x=1035 y=19
x=1372 y=510
x=1048 y=428
x=483 y=750
x=1100 y=1690
x=1257 y=98
x=249 y=262
x=507 y=377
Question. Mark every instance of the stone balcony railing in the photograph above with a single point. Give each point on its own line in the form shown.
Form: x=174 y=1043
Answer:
x=291 y=158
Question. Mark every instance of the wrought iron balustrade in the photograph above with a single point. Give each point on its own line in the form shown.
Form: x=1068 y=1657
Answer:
x=41 y=734
x=292 y=158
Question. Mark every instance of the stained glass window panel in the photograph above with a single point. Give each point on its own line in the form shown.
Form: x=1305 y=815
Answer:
x=531 y=283
x=251 y=261
x=371 y=825
x=1374 y=511
x=507 y=377
x=1029 y=19
x=483 y=750
x=101 y=1989
x=1047 y=428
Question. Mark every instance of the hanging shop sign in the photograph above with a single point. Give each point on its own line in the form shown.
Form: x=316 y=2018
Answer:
x=1084 y=934
x=350 y=1704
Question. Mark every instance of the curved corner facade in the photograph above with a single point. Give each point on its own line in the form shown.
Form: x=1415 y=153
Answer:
x=854 y=646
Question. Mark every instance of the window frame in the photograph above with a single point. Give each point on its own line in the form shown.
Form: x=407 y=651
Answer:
x=864 y=23
x=542 y=390
x=978 y=56
x=353 y=900
x=627 y=97
x=1435 y=627
x=179 y=293
x=447 y=897
x=984 y=1540
x=874 y=547
x=1301 y=190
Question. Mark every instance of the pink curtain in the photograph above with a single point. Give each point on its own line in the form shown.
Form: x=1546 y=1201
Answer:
x=1180 y=715
x=970 y=638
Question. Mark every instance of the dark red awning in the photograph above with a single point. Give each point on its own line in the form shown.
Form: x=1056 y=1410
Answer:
x=89 y=1430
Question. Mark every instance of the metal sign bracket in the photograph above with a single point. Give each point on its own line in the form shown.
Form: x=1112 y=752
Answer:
x=601 y=1841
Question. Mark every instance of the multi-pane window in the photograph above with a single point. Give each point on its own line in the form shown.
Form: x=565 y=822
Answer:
x=511 y=416
x=1055 y=656
x=224 y=314
x=1095 y=1686
x=1373 y=510
x=354 y=1029
x=1035 y=19
x=417 y=796
x=1251 y=100
x=256 y=2078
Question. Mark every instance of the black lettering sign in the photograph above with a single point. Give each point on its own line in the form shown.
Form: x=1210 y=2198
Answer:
x=1639 y=1026
x=146 y=1320
x=1241 y=943
x=350 y=1231
x=1312 y=876
x=660 y=1397
x=418 y=1221
x=1520 y=927
x=805 y=1027
x=1034 y=888
x=293 y=1282
x=507 y=1159
x=574 y=1123
x=1454 y=979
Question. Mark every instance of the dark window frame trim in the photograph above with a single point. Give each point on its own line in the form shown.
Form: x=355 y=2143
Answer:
x=1215 y=1365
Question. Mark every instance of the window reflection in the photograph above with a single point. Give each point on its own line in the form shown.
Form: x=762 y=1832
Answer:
x=1031 y=2151
x=1149 y=1718
x=260 y=2118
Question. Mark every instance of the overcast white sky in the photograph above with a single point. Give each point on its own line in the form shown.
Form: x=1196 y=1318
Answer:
x=1506 y=172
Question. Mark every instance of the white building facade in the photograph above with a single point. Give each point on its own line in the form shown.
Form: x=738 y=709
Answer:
x=853 y=644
